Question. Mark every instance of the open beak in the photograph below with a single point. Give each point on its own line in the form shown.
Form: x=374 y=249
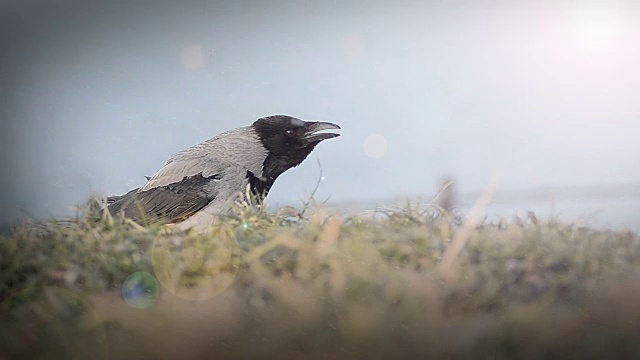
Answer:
x=312 y=135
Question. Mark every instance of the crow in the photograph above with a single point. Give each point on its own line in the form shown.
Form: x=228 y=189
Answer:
x=198 y=185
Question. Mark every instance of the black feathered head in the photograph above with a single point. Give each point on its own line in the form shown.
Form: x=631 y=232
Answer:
x=289 y=140
x=286 y=135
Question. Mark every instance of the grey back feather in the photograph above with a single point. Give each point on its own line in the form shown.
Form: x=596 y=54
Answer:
x=228 y=152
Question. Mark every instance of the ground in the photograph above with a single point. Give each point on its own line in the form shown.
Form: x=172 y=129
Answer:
x=410 y=282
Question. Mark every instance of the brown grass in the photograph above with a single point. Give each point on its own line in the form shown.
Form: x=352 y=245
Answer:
x=263 y=286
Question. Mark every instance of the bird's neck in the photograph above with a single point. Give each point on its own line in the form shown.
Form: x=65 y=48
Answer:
x=274 y=165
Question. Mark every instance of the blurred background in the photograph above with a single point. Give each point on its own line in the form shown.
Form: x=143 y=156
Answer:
x=94 y=95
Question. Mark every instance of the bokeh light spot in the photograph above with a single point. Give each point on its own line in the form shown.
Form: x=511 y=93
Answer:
x=355 y=45
x=140 y=290
x=375 y=146
x=193 y=56
x=192 y=257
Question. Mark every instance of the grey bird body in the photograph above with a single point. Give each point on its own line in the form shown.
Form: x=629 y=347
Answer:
x=197 y=186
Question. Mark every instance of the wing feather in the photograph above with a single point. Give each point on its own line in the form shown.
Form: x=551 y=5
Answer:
x=173 y=203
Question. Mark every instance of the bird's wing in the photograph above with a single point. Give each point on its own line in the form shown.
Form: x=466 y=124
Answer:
x=178 y=190
x=179 y=200
x=173 y=202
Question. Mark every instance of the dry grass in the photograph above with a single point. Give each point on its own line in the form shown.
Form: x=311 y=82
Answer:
x=288 y=286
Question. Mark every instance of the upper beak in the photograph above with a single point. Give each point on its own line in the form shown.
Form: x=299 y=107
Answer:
x=311 y=134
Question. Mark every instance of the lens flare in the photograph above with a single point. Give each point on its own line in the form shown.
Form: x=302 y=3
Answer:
x=140 y=290
x=355 y=45
x=375 y=146
x=193 y=56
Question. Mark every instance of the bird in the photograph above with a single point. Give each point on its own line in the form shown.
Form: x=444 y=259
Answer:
x=199 y=185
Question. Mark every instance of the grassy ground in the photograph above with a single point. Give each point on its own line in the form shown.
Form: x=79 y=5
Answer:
x=406 y=283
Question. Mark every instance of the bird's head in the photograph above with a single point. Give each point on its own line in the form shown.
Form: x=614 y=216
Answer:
x=286 y=135
x=290 y=140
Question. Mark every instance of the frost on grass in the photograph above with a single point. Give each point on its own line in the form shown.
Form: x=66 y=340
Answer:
x=310 y=283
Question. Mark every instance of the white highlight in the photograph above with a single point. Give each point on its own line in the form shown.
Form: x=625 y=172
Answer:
x=597 y=26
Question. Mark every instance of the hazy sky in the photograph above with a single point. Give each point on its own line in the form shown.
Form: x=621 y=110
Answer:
x=96 y=94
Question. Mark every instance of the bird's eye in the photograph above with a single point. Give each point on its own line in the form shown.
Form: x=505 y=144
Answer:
x=289 y=132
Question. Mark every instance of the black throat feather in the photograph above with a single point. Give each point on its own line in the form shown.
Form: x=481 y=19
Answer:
x=272 y=167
